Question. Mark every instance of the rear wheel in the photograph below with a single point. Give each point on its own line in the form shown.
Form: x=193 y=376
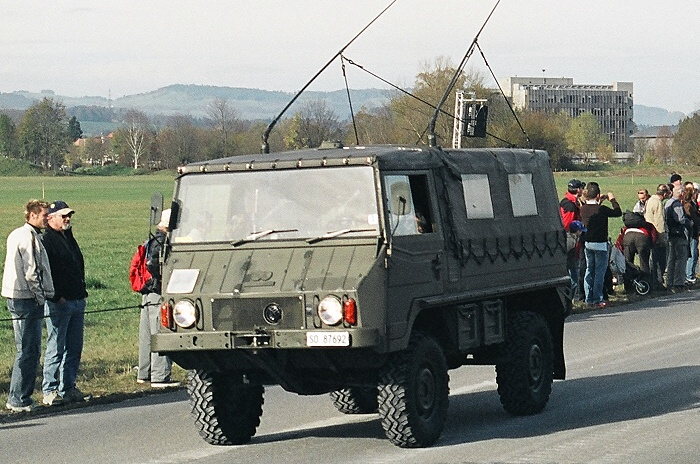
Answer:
x=413 y=393
x=226 y=411
x=355 y=400
x=524 y=377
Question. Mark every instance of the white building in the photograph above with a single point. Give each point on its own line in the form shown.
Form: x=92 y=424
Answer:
x=610 y=104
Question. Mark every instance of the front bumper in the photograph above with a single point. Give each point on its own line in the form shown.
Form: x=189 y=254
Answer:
x=274 y=339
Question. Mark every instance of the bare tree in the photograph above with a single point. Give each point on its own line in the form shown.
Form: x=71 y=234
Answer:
x=311 y=125
x=136 y=130
x=223 y=119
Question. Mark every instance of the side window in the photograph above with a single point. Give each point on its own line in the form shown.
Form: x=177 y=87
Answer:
x=409 y=204
x=522 y=194
x=477 y=196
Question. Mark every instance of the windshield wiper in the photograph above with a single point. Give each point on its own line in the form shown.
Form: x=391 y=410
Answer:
x=258 y=235
x=337 y=233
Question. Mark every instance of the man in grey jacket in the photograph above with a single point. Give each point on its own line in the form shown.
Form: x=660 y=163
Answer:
x=27 y=284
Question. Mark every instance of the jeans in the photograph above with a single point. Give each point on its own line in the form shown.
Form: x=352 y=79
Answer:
x=28 y=343
x=692 y=264
x=151 y=365
x=596 y=265
x=658 y=261
x=64 y=345
x=676 y=260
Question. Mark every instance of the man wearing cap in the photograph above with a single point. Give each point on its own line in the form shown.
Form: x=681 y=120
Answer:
x=64 y=345
x=570 y=210
x=152 y=366
x=26 y=283
x=676 y=180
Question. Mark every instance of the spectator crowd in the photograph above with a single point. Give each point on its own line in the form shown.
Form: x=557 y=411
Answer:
x=658 y=245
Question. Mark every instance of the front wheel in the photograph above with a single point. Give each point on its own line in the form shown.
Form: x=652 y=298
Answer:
x=524 y=377
x=226 y=411
x=413 y=393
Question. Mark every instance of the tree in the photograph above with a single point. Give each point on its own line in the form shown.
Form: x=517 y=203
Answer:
x=311 y=125
x=547 y=131
x=223 y=120
x=74 y=131
x=686 y=142
x=42 y=133
x=412 y=116
x=180 y=142
x=8 y=137
x=584 y=134
x=134 y=136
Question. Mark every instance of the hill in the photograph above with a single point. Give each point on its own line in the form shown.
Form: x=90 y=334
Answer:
x=652 y=116
x=99 y=114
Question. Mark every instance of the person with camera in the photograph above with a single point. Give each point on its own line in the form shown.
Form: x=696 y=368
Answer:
x=595 y=217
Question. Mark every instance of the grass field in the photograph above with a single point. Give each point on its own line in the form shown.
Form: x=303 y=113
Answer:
x=112 y=218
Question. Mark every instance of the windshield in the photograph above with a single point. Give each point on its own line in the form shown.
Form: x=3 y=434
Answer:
x=269 y=205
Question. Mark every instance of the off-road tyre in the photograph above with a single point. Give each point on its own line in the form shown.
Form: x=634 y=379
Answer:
x=413 y=393
x=226 y=411
x=355 y=400
x=524 y=377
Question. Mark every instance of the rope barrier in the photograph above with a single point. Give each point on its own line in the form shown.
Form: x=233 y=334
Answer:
x=122 y=308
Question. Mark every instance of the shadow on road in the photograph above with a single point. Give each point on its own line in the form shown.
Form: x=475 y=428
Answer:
x=577 y=403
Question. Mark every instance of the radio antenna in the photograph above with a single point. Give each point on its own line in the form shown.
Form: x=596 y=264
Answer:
x=432 y=139
x=266 y=134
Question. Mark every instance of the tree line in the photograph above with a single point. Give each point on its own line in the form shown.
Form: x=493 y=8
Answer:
x=44 y=134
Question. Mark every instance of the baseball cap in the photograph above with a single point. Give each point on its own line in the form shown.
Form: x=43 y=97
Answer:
x=575 y=226
x=576 y=184
x=59 y=207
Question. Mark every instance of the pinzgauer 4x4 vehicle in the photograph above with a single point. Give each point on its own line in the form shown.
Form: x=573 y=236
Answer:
x=366 y=272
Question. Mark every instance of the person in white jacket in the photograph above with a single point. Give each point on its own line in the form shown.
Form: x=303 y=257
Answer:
x=26 y=283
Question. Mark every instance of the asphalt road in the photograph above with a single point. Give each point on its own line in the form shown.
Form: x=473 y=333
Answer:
x=632 y=396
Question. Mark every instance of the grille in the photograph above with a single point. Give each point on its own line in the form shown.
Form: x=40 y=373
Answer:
x=247 y=313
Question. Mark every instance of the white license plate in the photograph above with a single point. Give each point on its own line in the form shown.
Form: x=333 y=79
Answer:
x=327 y=339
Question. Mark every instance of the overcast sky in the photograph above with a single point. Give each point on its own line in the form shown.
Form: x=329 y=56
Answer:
x=77 y=47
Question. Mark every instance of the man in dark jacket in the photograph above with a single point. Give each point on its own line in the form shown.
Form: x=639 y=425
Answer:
x=679 y=227
x=64 y=345
x=595 y=218
x=152 y=366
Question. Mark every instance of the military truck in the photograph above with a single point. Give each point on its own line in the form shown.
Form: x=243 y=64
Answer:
x=366 y=273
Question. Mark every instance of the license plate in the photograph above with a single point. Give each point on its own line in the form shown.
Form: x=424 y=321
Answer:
x=327 y=339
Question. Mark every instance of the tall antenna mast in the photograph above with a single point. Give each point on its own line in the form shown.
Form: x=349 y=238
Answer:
x=265 y=145
x=432 y=139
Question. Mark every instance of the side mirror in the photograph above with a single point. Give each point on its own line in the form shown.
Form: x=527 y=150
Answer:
x=156 y=208
x=174 y=215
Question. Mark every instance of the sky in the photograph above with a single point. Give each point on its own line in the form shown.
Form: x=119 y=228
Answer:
x=115 y=48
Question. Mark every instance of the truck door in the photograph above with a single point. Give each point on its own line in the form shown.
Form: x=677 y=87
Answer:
x=416 y=265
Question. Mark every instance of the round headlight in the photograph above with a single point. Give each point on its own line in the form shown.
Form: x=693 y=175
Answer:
x=184 y=314
x=330 y=310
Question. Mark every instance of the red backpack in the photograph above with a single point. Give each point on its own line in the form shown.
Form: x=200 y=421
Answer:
x=139 y=275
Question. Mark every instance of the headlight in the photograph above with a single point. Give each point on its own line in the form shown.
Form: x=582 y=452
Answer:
x=330 y=310
x=184 y=314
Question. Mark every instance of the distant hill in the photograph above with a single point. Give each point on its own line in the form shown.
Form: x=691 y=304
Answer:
x=250 y=104
x=98 y=114
x=652 y=116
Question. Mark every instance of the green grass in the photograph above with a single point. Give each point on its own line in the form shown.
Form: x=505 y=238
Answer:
x=112 y=218
x=624 y=182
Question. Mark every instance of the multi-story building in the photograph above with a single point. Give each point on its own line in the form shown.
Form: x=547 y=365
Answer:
x=610 y=104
